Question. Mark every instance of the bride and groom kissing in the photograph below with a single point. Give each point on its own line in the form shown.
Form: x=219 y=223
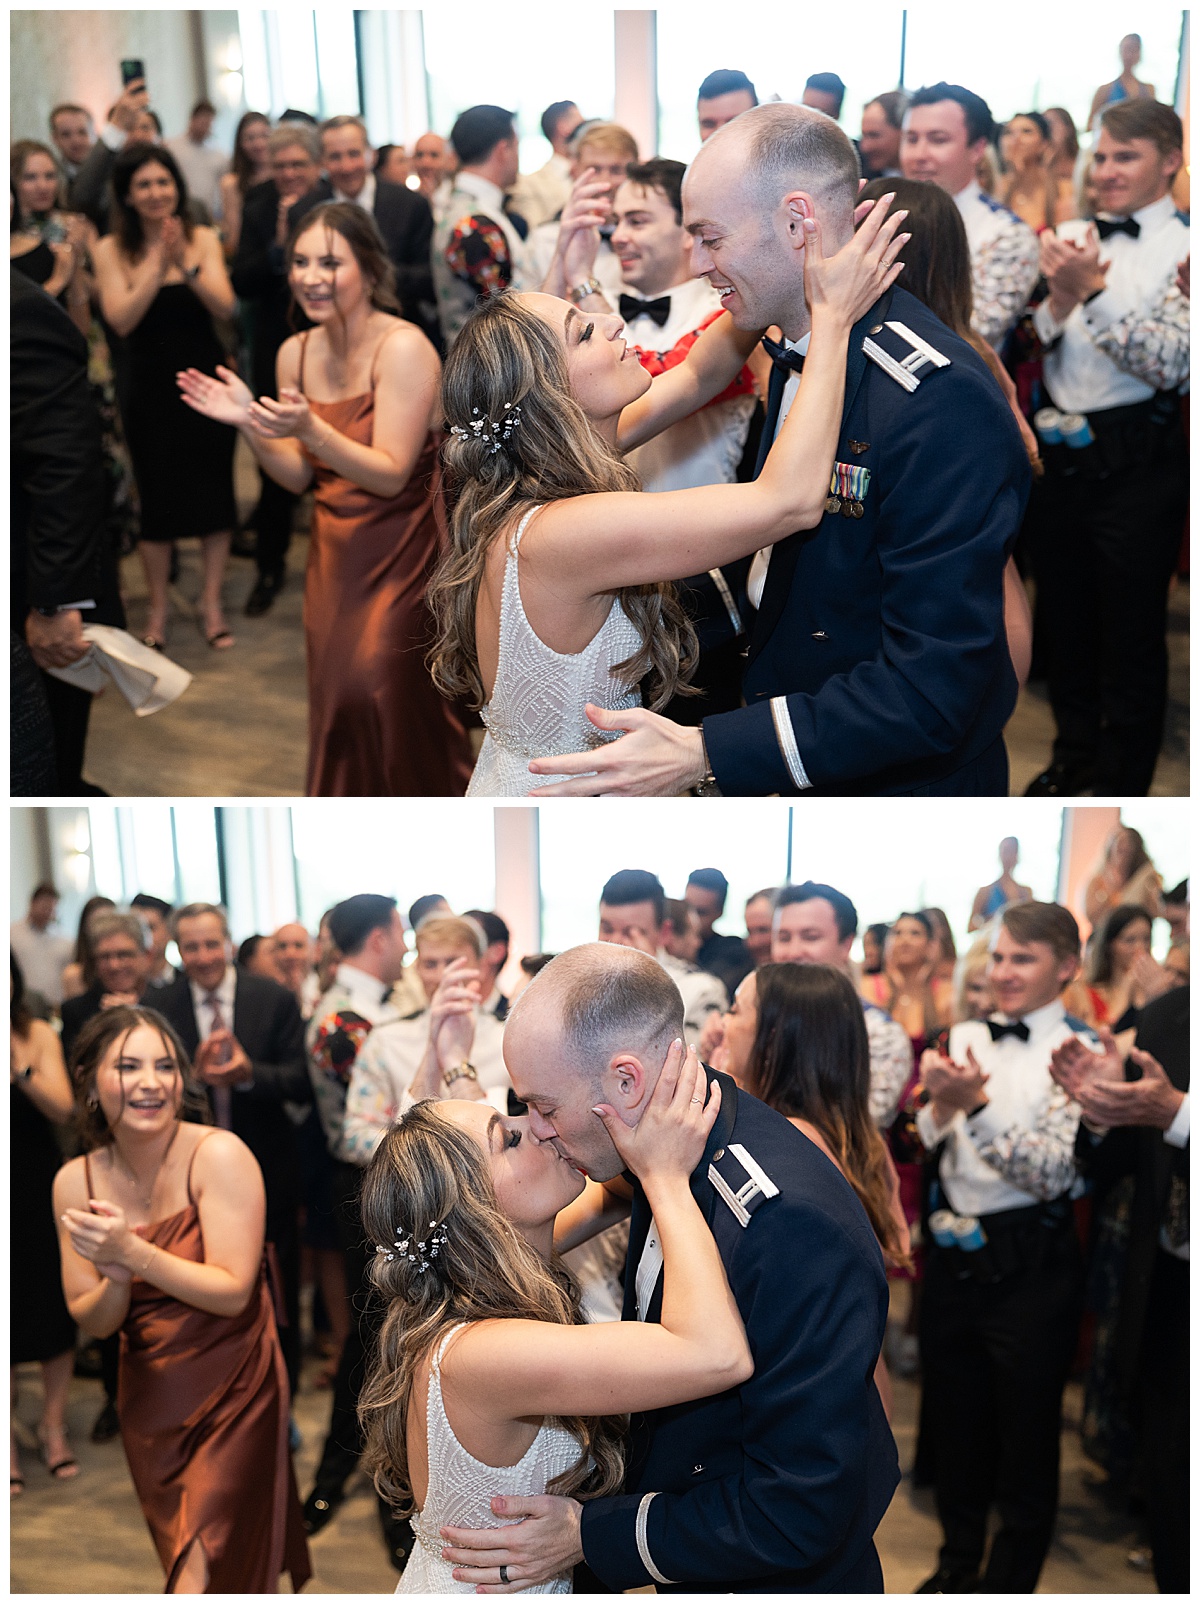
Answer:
x=757 y=1456
x=866 y=557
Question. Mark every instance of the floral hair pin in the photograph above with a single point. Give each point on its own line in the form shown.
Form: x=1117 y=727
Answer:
x=494 y=435
x=422 y=1254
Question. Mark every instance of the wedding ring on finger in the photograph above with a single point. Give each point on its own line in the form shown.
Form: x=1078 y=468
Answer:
x=504 y=1575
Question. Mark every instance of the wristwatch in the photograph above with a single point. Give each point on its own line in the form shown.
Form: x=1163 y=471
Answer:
x=464 y=1071
x=590 y=286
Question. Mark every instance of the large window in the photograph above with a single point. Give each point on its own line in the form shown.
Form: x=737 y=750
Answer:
x=1032 y=56
x=522 y=58
x=401 y=849
x=305 y=60
x=582 y=847
x=778 y=48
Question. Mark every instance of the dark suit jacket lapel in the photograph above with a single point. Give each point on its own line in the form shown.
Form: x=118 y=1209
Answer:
x=775 y=389
x=701 y=1189
x=786 y=553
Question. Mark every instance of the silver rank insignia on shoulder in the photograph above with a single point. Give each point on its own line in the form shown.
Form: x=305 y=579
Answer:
x=742 y=1192
x=905 y=372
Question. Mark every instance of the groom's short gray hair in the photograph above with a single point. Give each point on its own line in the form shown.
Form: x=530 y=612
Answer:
x=795 y=147
x=612 y=998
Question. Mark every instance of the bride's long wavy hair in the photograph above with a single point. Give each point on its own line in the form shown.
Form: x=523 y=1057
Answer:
x=506 y=356
x=428 y=1169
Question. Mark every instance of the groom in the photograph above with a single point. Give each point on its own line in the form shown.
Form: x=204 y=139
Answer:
x=876 y=660
x=778 y=1485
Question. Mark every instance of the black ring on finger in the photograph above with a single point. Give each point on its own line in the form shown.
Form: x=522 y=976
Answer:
x=504 y=1575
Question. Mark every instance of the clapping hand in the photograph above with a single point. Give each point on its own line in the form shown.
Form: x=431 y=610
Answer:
x=579 y=228
x=289 y=417
x=225 y=399
x=850 y=282
x=452 y=1014
x=102 y=1234
x=221 y=1060
x=1072 y=271
x=1151 y=1101
x=668 y=1140
x=952 y=1086
x=172 y=242
x=1074 y=1065
x=1153 y=979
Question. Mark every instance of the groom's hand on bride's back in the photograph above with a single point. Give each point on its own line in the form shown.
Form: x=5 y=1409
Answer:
x=543 y=1545
x=654 y=758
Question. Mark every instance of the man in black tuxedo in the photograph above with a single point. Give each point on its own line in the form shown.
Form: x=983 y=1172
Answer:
x=877 y=662
x=63 y=568
x=245 y=1037
x=778 y=1485
x=259 y=275
x=1136 y=1121
x=403 y=216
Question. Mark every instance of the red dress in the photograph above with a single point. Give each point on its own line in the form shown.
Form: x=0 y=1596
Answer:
x=203 y=1405
x=377 y=726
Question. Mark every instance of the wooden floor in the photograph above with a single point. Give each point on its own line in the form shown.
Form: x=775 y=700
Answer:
x=88 y=1535
x=239 y=729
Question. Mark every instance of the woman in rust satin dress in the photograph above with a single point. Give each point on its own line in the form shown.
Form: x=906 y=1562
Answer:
x=356 y=420
x=161 y=1227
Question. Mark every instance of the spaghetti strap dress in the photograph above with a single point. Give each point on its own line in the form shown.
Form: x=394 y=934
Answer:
x=203 y=1405
x=377 y=725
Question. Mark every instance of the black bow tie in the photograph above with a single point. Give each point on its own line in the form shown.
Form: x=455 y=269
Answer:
x=657 y=311
x=1105 y=227
x=1020 y=1030
x=783 y=356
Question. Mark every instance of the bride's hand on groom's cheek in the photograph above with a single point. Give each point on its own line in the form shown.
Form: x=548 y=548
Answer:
x=669 y=1138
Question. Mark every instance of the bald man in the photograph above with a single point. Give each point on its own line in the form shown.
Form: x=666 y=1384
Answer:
x=876 y=658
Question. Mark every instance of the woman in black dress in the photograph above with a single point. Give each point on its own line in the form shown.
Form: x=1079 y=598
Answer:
x=46 y=242
x=41 y=1329
x=162 y=280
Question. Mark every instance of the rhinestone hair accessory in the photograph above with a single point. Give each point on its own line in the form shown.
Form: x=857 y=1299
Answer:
x=422 y=1254
x=493 y=435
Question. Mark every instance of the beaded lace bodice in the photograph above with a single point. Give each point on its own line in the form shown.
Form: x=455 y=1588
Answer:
x=539 y=695
x=461 y=1488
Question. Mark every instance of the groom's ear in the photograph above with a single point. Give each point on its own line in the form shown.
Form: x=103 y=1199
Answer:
x=797 y=205
x=625 y=1083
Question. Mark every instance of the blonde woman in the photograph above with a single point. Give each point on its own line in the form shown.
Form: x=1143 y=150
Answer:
x=557 y=591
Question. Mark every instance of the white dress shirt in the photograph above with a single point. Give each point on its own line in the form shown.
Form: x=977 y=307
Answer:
x=1019 y=1149
x=541 y=196
x=1004 y=262
x=203 y=167
x=1080 y=374
x=758 y=568
x=365 y=197
x=42 y=956
x=706 y=448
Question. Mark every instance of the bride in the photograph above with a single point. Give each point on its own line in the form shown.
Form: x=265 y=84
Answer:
x=557 y=589
x=485 y=1380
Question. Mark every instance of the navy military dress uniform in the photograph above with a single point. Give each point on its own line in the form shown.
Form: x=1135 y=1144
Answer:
x=878 y=662
x=776 y=1486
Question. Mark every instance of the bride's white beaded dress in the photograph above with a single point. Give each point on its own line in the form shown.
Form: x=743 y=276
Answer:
x=537 y=702
x=461 y=1488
